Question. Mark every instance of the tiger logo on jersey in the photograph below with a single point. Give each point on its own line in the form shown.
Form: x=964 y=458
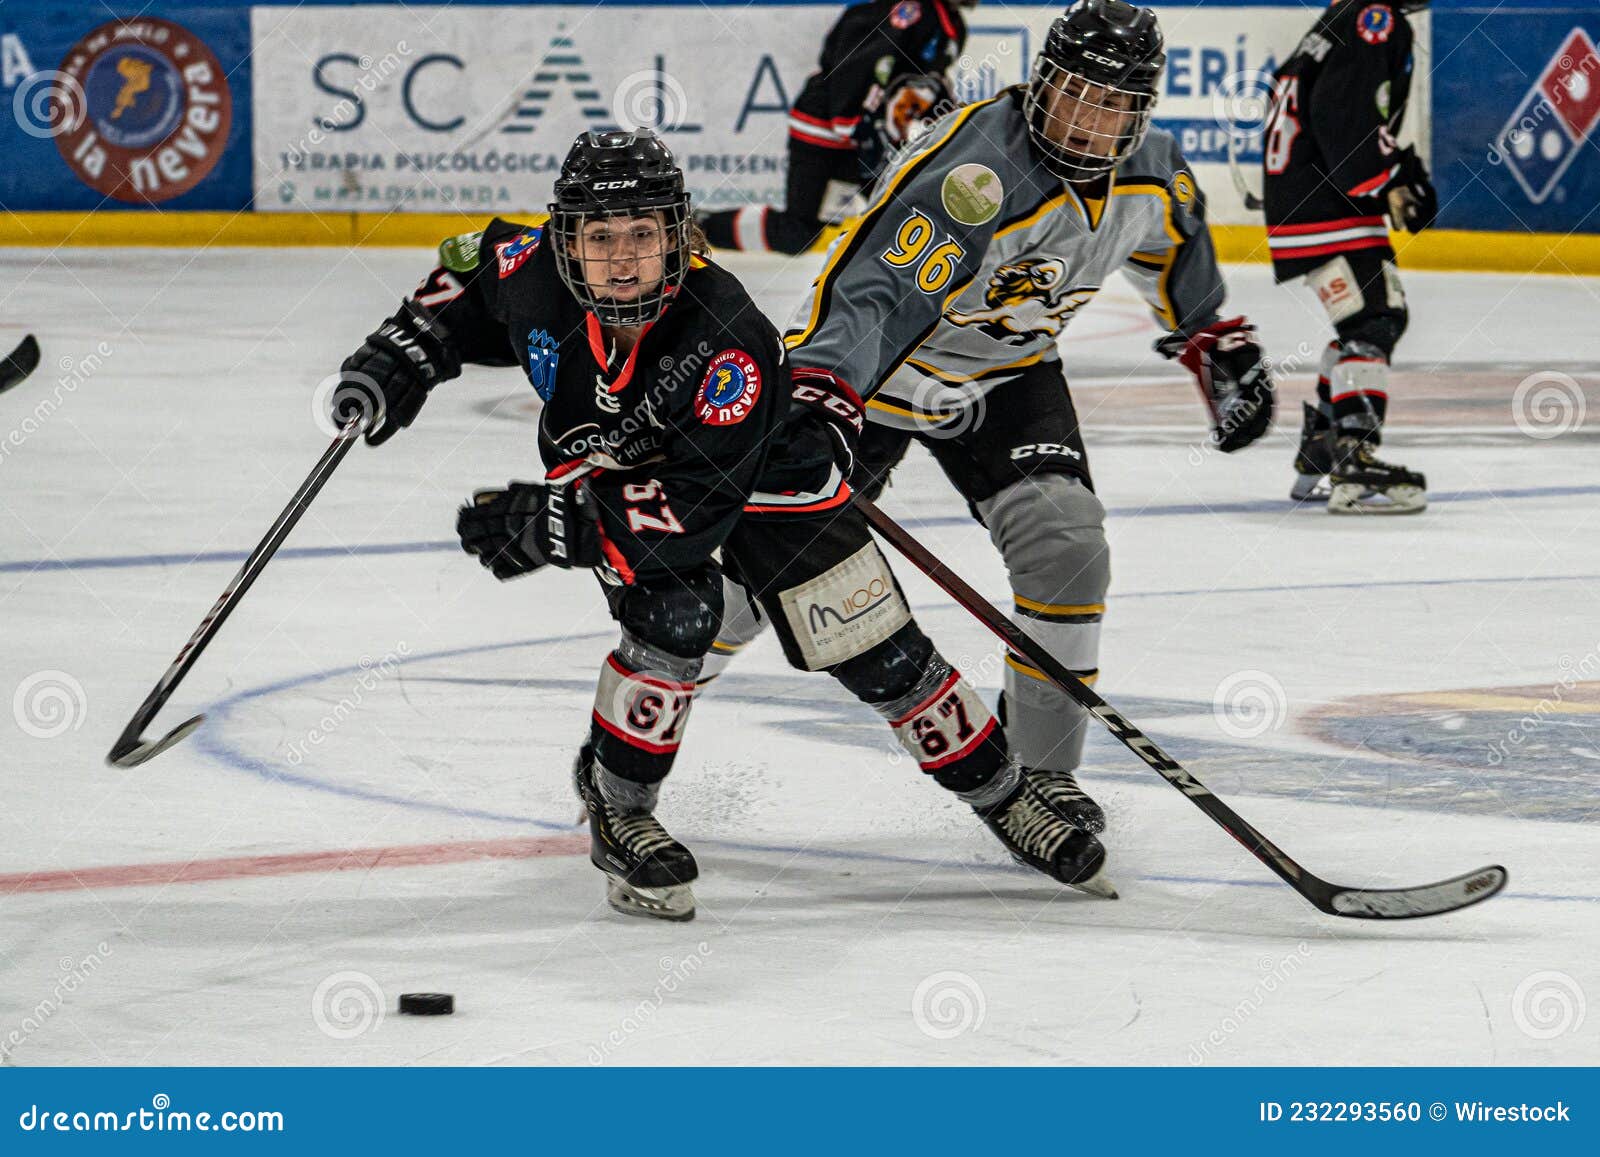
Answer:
x=1026 y=300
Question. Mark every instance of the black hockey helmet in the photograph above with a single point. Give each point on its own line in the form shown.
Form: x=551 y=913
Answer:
x=620 y=176
x=1101 y=63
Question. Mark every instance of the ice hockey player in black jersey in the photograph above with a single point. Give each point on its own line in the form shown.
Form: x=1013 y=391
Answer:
x=679 y=455
x=872 y=45
x=1336 y=179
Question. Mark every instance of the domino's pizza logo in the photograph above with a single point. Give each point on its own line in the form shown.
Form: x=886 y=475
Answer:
x=511 y=254
x=148 y=110
x=1375 y=23
x=730 y=389
x=1554 y=120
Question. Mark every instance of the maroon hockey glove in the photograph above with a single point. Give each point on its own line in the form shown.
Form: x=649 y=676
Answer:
x=1231 y=370
x=840 y=408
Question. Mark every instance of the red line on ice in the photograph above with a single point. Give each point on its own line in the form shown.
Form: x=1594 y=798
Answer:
x=246 y=867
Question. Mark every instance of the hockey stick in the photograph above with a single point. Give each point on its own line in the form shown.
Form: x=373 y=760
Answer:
x=131 y=748
x=19 y=363
x=1251 y=201
x=1334 y=899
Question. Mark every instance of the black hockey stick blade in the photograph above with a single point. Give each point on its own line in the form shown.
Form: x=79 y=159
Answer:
x=132 y=748
x=1334 y=899
x=1406 y=903
x=133 y=752
x=19 y=363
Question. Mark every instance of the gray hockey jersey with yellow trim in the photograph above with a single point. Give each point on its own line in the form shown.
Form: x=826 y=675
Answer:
x=972 y=258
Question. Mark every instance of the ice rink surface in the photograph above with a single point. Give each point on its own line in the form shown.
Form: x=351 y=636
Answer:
x=379 y=802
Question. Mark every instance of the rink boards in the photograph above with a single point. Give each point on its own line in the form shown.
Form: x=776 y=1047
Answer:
x=297 y=121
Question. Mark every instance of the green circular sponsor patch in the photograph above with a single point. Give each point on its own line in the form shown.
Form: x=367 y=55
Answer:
x=972 y=193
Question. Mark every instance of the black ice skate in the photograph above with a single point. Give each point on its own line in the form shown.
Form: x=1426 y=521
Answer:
x=1041 y=838
x=648 y=873
x=1361 y=483
x=1061 y=791
x=1314 y=460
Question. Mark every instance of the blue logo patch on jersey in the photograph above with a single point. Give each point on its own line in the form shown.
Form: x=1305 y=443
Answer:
x=730 y=389
x=1375 y=23
x=544 y=355
x=904 y=14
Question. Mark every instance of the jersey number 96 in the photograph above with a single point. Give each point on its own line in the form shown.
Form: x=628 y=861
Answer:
x=912 y=245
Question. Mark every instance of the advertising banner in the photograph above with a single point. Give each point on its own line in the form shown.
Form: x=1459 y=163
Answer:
x=124 y=107
x=434 y=108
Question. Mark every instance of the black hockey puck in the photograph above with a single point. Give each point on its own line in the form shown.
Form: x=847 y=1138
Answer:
x=427 y=1003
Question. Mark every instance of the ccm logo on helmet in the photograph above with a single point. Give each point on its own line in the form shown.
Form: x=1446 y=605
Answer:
x=598 y=185
x=1098 y=59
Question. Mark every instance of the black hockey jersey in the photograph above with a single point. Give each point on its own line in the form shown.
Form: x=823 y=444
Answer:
x=870 y=45
x=1338 y=103
x=678 y=435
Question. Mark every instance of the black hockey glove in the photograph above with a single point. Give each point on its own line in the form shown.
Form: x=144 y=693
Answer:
x=1413 y=202
x=1231 y=370
x=528 y=525
x=388 y=378
x=840 y=408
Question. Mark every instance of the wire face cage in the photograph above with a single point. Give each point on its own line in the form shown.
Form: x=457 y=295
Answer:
x=1083 y=129
x=623 y=264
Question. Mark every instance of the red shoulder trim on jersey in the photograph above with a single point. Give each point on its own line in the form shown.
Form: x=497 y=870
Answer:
x=945 y=21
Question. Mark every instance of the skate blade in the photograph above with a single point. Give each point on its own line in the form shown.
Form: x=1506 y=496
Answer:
x=1310 y=488
x=1351 y=499
x=674 y=902
x=1098 y=885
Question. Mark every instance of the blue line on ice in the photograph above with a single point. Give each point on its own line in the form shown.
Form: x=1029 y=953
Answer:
x=1182 y=509
x=212 y=741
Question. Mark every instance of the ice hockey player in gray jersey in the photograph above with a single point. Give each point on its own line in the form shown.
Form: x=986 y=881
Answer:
x=939 y=311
